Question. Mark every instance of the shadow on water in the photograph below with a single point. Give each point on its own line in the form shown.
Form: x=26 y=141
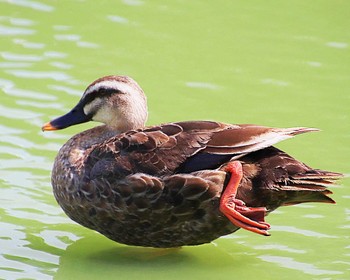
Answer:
x=234 y=256
x=92 y=258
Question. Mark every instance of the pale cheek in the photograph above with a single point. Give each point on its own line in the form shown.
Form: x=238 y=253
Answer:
x=88 y=108
x=104 y=116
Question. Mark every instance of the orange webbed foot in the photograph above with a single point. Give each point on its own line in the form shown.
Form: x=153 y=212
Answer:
x=235 y=210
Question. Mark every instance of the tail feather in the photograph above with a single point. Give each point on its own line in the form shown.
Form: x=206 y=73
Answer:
x=299 y=130
x=283 y=180
x=313 y=183
x=310 y=187
x=314 y=174
x=308 y=196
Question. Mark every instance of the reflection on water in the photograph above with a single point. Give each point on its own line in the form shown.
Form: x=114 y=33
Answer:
x=229 y=62
x=18 y=260
x=304 y=232
x=35 y=5
x=202 y=85
x=339 y=45
x=290 y=263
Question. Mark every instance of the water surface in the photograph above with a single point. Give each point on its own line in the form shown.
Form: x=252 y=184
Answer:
x=270 y=63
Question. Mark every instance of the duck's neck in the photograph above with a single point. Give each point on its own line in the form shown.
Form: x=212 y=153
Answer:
x=90 y=137
x=74 y=151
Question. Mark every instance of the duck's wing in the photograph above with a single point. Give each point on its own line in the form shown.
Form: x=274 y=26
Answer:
x=234 y=141
x=181 y=147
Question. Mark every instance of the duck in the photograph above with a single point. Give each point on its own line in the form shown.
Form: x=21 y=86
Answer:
x=174 y=184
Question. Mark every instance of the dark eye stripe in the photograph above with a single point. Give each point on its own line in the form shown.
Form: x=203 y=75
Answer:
x=100 y=93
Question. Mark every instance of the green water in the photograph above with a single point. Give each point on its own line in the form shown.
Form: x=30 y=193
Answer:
x=276 y=63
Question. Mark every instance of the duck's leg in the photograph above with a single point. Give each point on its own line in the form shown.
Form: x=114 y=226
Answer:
x=235 y=210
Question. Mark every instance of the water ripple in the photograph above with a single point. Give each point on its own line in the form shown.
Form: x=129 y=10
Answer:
x=314 y=63
x=30 y=216
x=290 y=263
x=53 y=54
x=65 y=89
x=58 y=238
x=22 y=199
x=5 y=130
x=118 y=19
x=19 y=141
x=39 y=104
x=91 y=45
x=28 y=45
x=67 y=37
x=13 y=31
x=302 y=231
x=47 y=51
x=15 y=113
x=61 y=65
x=25 y=93
x=271 y=81
x=203 y=85
x=54 y=75
x=133 y=2
x=33 y=5
x=4 y=84
x=7 y=65
x=338 y=45
x=21 y=57
x=17 y=258
x=279 y=248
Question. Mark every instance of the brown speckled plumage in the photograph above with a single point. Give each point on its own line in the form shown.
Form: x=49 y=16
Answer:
x=161 y=186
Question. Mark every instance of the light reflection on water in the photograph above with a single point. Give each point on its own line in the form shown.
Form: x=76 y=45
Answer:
x=17 y=259
x=304 y=232
x=27 y=211
x=47 y=59
x=290 y=263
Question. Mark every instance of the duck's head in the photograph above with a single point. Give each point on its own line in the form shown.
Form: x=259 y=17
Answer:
x=117 y=101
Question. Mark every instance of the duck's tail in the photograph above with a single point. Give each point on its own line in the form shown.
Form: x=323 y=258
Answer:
x=283 y=180
x=311 y=186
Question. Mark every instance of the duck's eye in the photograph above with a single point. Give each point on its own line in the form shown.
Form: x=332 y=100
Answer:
x=102 y=90
x=106 y=91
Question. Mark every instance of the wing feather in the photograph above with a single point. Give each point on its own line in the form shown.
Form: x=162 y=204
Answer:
x=183 y=146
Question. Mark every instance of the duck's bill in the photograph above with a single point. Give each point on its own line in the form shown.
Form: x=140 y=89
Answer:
x=73 y=117
x=48 y=126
